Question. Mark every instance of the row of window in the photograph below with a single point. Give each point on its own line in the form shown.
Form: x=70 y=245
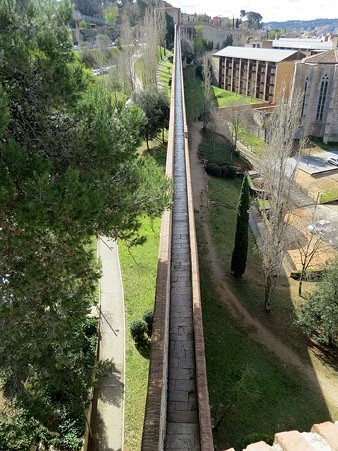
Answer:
x=237 y=74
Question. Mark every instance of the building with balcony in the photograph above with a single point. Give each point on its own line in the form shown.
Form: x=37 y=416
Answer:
x=260 y=73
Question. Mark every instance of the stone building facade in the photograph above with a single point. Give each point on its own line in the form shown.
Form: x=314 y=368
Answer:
x=315 y=80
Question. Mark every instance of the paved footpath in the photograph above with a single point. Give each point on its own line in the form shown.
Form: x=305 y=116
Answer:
x=108 y=413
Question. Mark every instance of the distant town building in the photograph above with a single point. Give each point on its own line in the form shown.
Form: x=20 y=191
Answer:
x=308 y=46
x=175 y=13
x=264 y=74
x=316 y=80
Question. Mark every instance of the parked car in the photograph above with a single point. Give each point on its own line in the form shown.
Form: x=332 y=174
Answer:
x=333 y=160
x=322 y=227
x=100 y=71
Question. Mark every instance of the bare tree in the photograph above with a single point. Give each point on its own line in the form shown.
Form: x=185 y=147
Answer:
x=316 y=242
x=127 y=56
x=277 y=185
x=237 y=116
x=154 y=33
x=208 y=102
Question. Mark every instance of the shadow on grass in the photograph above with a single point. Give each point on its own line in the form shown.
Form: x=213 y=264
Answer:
x=217 y=148
x=253 y=393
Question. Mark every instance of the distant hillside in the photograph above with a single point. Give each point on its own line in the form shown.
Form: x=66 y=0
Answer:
x=330 y=25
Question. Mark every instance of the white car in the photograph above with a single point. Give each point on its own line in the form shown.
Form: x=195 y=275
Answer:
x=322 y=227
x=333 y=160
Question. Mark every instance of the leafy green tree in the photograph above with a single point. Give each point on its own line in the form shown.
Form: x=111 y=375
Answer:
x=88 y=7
x=254 y=20
x=239 y=255
x=198 y=40
x=155 y=105
x=110 y=14
x=69 y=169
x=228 y=41
x=318 y=316
x=208 y=101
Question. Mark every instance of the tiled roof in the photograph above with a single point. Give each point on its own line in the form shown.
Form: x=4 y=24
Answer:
x=273 y=55
x=329 y=57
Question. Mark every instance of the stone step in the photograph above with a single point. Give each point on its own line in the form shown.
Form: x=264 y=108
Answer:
x=323 y=437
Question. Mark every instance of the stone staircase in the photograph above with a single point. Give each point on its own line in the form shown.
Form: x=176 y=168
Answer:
x=323 y=437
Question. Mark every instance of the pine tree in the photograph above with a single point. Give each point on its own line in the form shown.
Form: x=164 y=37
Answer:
x=239 y=255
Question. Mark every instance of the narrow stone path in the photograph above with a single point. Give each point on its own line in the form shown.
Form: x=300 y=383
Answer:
x=182 y=432
x=108 y=405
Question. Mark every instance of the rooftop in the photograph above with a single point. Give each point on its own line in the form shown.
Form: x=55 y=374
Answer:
x=302 y=43
x=329 y=57
x=273 y=55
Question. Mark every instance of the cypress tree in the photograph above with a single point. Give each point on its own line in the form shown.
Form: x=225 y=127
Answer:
x=239 y=254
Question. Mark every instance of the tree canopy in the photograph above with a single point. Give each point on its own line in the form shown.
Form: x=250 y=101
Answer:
x=239 y=254
x=254 y=19
x=318 y=316
x=155 y=105
x=69 y=169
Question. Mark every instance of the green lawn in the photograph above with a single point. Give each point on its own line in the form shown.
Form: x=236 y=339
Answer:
x=253 y=394
x=251 y=141
x=193 y=94
x=218 y=149
x=139 y=277
x=225 y=98
x=166 y=73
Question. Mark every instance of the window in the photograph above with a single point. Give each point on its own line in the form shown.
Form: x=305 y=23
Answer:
x=322 y=97
x=304 y=95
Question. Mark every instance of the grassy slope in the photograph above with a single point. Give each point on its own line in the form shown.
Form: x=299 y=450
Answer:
x=251 y=391
x=139 y=277
x=255 y=392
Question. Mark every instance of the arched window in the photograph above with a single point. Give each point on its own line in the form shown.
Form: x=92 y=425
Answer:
x=304 y=95
x=322 y=97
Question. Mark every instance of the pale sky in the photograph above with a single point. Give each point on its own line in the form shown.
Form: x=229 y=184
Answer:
x=271 y=10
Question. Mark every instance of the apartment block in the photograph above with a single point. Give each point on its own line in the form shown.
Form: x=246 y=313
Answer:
x=260 y=73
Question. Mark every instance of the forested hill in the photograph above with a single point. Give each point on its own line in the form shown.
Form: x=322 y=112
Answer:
x=329 y=24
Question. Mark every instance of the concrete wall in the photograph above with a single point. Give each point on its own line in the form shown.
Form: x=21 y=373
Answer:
x=216 y=34
x=283 y=82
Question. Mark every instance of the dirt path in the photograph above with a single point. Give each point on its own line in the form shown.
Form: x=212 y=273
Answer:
x=255 y=328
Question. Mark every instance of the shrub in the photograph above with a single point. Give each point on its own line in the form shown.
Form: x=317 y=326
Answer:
x=232 y=172
x=189 y=58
x=225 y=171
x=213 y=169
x=139 y=332
x=148 y=318
x=318 y=316
x=198 y=71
